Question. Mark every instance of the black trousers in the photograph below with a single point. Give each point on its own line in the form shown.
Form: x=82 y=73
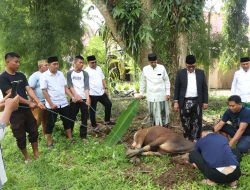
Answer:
x=212 y=173
x=22 y=121
x=52 y=117
x=191 y=118
x=105 y=101
x=74 y=109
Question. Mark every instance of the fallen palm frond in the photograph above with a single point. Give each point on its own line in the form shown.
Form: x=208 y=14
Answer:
x=123 y=123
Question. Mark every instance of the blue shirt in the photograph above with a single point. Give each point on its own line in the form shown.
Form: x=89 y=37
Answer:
x=216 y=151
x=34 y=82
x=236 y=118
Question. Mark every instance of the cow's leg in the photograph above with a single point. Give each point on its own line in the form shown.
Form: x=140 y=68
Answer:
x=153 y=146
x=139 y=137
x=150 y=153
x=133 y=152
x=139 y=151
x=176 y=146
x=168 y=147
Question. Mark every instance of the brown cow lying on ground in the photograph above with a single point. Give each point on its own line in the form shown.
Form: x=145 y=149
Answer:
x=158 y=140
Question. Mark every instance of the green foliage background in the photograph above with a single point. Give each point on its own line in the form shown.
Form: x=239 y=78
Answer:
x=235 y=27
x=167 y=19
x=38 y=29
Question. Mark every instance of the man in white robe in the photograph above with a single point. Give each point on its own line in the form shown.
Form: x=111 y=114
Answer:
x=241 y=82
x=155 y=81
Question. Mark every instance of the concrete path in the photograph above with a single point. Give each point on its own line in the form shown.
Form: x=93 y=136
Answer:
x=214 y=92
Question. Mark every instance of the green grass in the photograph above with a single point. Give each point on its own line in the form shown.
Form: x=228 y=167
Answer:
x=95 y=165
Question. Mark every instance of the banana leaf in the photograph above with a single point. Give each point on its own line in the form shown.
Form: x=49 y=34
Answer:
x=122 y=124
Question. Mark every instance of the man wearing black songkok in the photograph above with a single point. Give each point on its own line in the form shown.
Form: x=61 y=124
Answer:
x=155 y=81
x=98 y=92
x=241 y=82
x=54 y=88
x=190 y=96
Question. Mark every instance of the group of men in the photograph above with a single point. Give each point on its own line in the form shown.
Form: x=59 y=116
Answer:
x=48 y=89
x=87 y=87
x=190 y=97
x=190 y=94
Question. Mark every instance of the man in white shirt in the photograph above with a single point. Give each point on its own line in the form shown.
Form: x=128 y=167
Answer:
x=78 y=83
x=190 y=96
x=34 y=82
x=241 y=82
x=155 y=80
x=98 y=92
x=54 y=87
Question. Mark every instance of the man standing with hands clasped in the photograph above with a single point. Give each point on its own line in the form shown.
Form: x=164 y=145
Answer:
x=155 y=80
x=190 y=97
x=98 y=92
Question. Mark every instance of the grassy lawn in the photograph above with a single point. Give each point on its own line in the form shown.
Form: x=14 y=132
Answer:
x=96 y=166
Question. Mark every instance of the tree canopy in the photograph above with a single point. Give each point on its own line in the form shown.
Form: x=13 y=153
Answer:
x=235 y=28
x=141 y=26
x=37 y=29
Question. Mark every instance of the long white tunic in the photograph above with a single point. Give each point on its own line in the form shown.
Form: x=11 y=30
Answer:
x=3 y=177
x=241 y=85
x=157 y=85
x=156 y=82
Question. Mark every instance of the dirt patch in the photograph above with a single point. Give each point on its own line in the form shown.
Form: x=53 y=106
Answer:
x=138 y=168
x=179 y=173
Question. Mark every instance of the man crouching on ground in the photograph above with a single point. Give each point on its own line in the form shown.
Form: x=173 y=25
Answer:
x=215 y=159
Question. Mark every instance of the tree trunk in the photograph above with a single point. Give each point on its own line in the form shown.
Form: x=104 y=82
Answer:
x=182 y=45
x=109 y=20
x=146 y=47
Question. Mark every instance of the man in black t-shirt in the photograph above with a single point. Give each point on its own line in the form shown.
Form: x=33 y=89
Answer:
x=239 y=130
x=22 y=120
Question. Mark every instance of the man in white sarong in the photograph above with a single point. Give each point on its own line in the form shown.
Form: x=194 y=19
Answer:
x=155 y=81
